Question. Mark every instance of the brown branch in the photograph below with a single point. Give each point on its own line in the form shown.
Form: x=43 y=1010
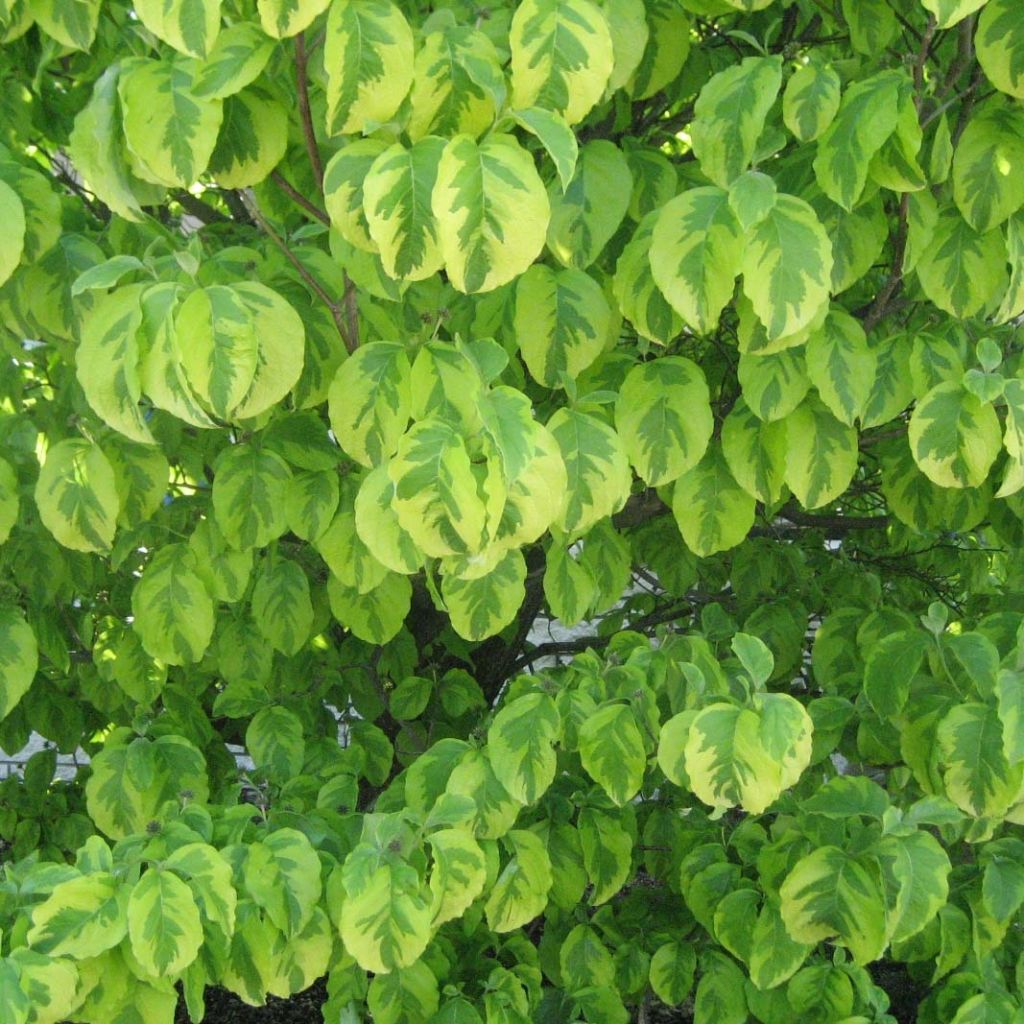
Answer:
x=201 y=211
x=306 y=116
x=878 y=310
x=336 y=308
x=297 y=197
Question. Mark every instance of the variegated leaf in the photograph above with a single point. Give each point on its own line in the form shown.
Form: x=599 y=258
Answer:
x=190 y=26
x=712 y=511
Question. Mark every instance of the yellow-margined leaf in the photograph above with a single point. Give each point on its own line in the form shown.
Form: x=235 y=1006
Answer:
x=76 y=495
x=1000 y=44
x=821 y=454
x=284 y=18
x=561 y=322
x=729 y=116
x=190 y=26
x=597 y=469
x=107 y=361
x=712 y=511
x=458 y=874
x=866 y=118
x=668 y=46
x=458 y=84
x=13 y=243
x=787 y=266
x=80 y=918
x=483 y=606
x=70 y=22
x=842 y=365
x=748 y=757
x=521 y=892
x=562 y=56
x=639 y=298
x=252 y=141
x=374 y=617
x=829 y=894
x=249 y=489
x=397 y=200
x=344 y=177
x=492 y=211
x=612 y=751
x=173 y=610
x=520 y=746
x=368 y=54
x=695 y=255
x=370 y=401
x=235 y=61
x=282 y=873
x=663 y=415
x=755 y=451
x=955 y=437
x=19 y=658
x=811 y=100
x=378 y=526
x=170 y=132
x=163 y=923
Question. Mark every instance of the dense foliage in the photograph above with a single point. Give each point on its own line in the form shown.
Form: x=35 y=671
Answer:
x=347 y=344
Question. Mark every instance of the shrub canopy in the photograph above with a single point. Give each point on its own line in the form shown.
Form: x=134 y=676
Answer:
x=349 y=348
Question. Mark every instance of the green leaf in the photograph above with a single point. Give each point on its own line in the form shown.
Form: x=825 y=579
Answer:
x=374 y=617
x=1010 y=695
x=607 y=853
x=190 y=26
x=458 y=875
x=284 y=18
x=752 y=197
x=236 y=60
x=368 y=54
x=569 y=587
x=1013 y=301
x=584 y=960
x=588 y=213
x=738 y=756
x=977 y=776
x=170 y=131
x=787 y=267
x=989 y=157
x=249 y=489
x=163 y=923
x=520 y=746
x=483 y=606
x=8 y=499
x=962 y=271
x=866 y=118
x=458 y=84
x=274 y=739
x=492 y=211
x=521 y=891
x=831 y=894
x=729 y=116
x=821 y=454
x=890 y=668
x=949 y=12
x=719 y=996
x=562 y=321
x=555 y=135
x=712 y=511
x=81 y=917
x=775 y=957
x=954 y=437
x=597 y=467
x=311 y=502
x=77 y=496
x=811 y=100
x=1000 y=44
x=348 y=558
x=696 y=252
x=612 y=751
x=13 y=244
x=19 y=658
x=562 y=56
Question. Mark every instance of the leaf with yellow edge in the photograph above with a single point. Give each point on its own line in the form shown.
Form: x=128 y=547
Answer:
x=562 y=56
x=76 y=495
x=491 y=209
x=368 y=55
x=190 y=26
x=712 y=511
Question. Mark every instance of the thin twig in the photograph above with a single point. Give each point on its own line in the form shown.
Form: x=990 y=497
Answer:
x=336 y=308
x=306 y=116
x=297 y=197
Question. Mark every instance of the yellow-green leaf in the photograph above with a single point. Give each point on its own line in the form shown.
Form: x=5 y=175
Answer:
x=76 y=495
